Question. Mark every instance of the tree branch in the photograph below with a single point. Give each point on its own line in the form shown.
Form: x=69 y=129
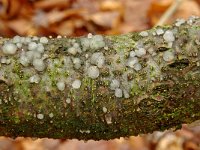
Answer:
x=100 y=87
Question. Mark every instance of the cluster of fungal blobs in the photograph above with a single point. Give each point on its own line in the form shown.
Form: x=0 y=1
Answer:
x=90 y=56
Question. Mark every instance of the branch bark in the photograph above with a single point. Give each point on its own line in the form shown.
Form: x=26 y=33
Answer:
x=101 y=88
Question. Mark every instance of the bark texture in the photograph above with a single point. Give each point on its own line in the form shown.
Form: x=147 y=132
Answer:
x=161 y=91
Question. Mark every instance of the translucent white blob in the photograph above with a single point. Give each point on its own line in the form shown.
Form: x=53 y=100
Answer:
x=40 y=48
x=85 y=42
x=51 y=115
x=105 y=109
x=68 y=100
x=179 y=22
x=24 y=60
x=39 y=64
x=137 y=66
x=16 y=39
x=77 y=63
x=98 y=59
x=33 y=55
x=144 y=33
x=169 y=36
x=140 y=52
x=72 y=50
x=97 y=42
x=93 y=72
x=118 y=92
x=19 y=45
x=44 y=40
x=132 y=54
x=114 y=84
x=168 y=56
x=60 y=85
x=89 y=36
x=159 y=31
x=32 y=46
x=9 y=48
x=76 y=84
x=40 y=116
x=34 y=79
x=35 y=38
x=132 y=61
x=27 y=40
x=126 y=94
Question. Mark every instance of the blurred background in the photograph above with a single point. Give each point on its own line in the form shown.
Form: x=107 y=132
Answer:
x=109 y=17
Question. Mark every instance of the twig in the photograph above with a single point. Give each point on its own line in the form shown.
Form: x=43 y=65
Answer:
x=171 y=10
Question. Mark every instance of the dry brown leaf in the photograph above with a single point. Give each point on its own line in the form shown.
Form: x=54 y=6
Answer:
x=110 y=19
x=10 y=8
x=65 y=28
x=22 y=26
x=48 y=4
x=57 y=16
x=158 y=8
x=111 y=5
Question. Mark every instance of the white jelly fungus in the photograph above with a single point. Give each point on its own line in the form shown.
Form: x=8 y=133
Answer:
x=40 y=116
x=168 y=36
x=118 y=92
x=76 y=84
x=168 y=56
x=93 y=72
x=39 y=64
x=44 y=40
x=9 y=48
x=60 y=85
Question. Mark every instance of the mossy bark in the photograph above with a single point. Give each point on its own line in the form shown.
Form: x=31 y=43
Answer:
x=94 y=111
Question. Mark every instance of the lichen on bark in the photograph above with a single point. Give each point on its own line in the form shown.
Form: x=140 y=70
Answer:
x=100 y=87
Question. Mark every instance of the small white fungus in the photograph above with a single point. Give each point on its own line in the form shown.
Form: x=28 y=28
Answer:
x=51 y=115
x=132 y=54
x=34 y=79
x=169 y=36
x=76 y=84
x=27 y=40
x=114 y=84
x=105 y=109
x=19 y=45
x=32 y=55
x=179 y=22
x=140 y=52
x=159 y=31
x=44 y=40
x=24 y=60
x=93 y=72
x=77 y=62
x=9 y=48
x=98 y=59
x=89 y=36
x=16 y=39
x=118 y=92
x=32 y=46
x=132 y=61
x=60 y=85
x=126 y=94
x=168 y=56
x=68 y=100
x=38 y=64
x=40 y=48
x=40 y=116
x=72 y=50
x=137 y=66
x=97 y=42
x=144 y=33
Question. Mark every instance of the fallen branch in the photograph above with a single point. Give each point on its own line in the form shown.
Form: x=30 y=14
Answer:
x=98 y=87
